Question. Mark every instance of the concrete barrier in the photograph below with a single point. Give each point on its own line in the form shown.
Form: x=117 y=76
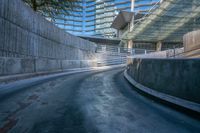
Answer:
x=47 y=65
x=177 y=78
x=29 y=43
x=10 y=65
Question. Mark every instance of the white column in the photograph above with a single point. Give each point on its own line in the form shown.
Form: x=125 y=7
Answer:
x=132 y=5
x=132 y=10
x=118 y=50
x=158 y=46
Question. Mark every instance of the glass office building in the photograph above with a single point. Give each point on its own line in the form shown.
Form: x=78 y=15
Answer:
x=94 y=17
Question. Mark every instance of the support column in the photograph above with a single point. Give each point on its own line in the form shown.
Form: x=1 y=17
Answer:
x=130 y=44
x=158 y=46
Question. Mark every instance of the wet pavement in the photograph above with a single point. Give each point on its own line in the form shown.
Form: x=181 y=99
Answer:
x=89 y=102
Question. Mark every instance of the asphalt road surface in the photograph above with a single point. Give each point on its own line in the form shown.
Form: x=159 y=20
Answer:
x=89 y=102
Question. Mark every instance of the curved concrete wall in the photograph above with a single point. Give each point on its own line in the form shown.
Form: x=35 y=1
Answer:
x=27 y=39
x=175 y=77
x=191 y=40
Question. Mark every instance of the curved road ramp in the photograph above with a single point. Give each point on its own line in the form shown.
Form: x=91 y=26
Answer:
x=87 y=99
x=97 y=101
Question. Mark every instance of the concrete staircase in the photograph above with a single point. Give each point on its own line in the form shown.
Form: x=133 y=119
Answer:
x=113 y=55
x=192 y=54
x=109 y=59
x=110 y=55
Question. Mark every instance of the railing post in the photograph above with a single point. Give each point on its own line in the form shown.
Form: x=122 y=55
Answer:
x=133 y=51
x=118 y=50
x=174 y=52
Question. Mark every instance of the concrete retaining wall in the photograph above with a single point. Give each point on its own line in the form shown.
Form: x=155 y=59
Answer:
x=175 y=77
x=10 y=65
x=27 y=38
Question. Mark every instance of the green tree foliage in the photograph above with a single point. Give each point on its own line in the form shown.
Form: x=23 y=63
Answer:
x=52 y=8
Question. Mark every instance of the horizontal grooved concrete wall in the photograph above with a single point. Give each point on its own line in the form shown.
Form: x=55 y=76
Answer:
x=25 y=33
x=176 y=77
x=27 y=37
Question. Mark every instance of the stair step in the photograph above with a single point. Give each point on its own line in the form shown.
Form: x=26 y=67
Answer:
x=194 y=53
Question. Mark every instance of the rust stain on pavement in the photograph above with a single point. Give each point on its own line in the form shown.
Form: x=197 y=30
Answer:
x=8 y=125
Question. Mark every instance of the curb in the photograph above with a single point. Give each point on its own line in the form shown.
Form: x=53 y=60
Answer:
x=165 y=97
x=12 y=78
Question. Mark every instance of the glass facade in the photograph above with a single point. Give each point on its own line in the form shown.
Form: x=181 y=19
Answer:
x=94 y=17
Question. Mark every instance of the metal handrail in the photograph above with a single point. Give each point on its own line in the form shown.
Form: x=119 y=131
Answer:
x=118 y=49
x=182 y=53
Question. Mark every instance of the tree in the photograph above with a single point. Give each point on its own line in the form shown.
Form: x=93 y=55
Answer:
x=52 y=8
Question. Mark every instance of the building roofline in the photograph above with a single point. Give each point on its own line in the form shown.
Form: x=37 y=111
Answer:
x=122 y=19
